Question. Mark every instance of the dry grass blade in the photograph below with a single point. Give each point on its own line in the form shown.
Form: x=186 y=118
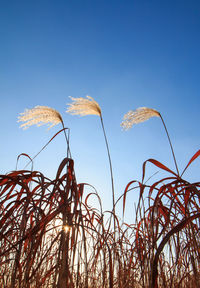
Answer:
x=137 y=116
x=40 y=115
x=81 y=106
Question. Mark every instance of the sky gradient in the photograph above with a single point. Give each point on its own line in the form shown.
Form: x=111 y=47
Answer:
x=125 y=54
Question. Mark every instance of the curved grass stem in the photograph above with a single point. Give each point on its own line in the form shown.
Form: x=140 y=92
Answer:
x=111 y=174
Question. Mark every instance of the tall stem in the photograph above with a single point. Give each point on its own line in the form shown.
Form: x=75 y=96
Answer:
x=113 y=199
x=170 y=145
x=110 y=164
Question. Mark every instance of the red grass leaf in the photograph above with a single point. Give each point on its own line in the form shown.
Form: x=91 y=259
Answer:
x=159 y=165
x=127 y=189
x=196 y=155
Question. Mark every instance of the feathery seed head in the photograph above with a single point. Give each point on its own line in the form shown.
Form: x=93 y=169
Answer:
x=137 y=116
x=81 y=106
x=40 y=115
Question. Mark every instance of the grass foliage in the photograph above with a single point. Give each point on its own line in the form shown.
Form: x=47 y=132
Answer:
x=162 y=249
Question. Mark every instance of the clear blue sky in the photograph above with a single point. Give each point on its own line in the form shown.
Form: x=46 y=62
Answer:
x=125 y=54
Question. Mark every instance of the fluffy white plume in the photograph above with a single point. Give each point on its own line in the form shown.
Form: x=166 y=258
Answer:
x=40 y=115
x=84 y=106
x=137 y=116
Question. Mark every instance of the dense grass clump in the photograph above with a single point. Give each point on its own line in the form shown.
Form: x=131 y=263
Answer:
x=50 y=237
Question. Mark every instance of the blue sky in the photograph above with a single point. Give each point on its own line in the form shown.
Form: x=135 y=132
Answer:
x=125 y=54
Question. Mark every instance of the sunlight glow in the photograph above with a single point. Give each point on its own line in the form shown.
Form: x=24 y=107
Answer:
x=67 y=228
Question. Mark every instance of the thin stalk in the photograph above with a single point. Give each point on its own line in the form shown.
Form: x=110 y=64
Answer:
x=113 y=198
x=170 y=144
x=110 y=164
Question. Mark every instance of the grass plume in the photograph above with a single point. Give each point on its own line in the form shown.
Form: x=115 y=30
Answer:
x=84 y=106
x=40 y=115
x=142 y=114
x=137 y=116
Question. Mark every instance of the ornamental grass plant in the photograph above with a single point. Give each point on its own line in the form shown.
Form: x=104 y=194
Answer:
x=51 y=236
